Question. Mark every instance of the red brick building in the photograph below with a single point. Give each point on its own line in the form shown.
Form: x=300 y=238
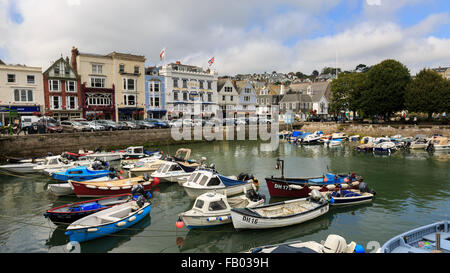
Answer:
x=62 y=93
x=97 y=91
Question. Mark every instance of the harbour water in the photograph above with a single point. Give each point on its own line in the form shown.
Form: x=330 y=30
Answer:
x=413 y=189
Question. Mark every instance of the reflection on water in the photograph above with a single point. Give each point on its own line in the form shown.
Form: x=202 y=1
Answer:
x=413 y=189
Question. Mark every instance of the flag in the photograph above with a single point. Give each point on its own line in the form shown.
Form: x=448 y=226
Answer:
x=210 y=62
x=162 y=53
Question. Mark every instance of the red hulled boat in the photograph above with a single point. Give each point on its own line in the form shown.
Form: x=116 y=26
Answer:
x=113 y=187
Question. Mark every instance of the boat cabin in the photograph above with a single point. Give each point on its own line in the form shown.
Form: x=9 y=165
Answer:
x=211 y=202
x=135 y=150
x=204 y=178
x=169 y=167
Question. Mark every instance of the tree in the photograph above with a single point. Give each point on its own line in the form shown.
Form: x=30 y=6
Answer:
x=300 y=75
x=346 y=92
x=330 y=70
x=386 y=88
x=315 y=74
x=426 y=93
x=362 y=68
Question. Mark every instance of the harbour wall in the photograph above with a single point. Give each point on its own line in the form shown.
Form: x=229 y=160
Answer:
x=40 y=145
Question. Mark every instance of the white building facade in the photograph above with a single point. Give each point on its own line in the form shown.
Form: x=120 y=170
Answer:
x=21 y=90
x=188 y=90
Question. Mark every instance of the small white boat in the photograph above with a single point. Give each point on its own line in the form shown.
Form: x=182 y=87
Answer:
x=213 y=209
x=281 y=214
x=438 y=144
x=205 y=180
x=104 y=156
x=420 y=142
x=333 y=244
x=355 y=138
x=385 y=148
x=334 y=143
x=172 y=171
x=126 y=165
x=20 y=168
x=348 y=197
x=339 y=136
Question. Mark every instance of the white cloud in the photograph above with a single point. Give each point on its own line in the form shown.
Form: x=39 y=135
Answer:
x=373 y=2
x=244 y=36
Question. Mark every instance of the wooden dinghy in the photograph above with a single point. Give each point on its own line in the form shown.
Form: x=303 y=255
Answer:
x=90 y=189
x=281 y=214
x=69 y=213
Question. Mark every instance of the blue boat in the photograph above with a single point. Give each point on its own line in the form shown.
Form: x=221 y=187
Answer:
x=426 y=239
x=81 y=173
x=108 y=221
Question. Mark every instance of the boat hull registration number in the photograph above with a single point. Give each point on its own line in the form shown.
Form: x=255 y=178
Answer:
x=250 y=220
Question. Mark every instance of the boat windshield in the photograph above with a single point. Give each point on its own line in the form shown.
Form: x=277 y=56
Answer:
x=191 y=177
x=175 y=167
x=199 y=204
x=203 y=180
x=217 y=205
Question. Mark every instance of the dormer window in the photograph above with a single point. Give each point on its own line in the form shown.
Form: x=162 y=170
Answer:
x=121 y=68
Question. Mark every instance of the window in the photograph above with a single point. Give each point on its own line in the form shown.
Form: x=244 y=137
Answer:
x=56 y=69
x=214 y=182
x=156 y=102
x=129 y=84
x=55 y=102
x=136 y=70
x=209 y=85
x=223 y=98
x=185 y=96
x=53 y=85
x=72 y=103
x=98 y=99
x=121 y=68
x=209 y=97
x=228 y=89
x=11 y=78
x=199 y=204
x=231 y=98
x=246 y=98
x=218 y=205
x=154 y=86
x=200 y=84
x=247 y=90
x=129 y=100
x=175 y=82
x=175 y=95
x=97 y=69
x=31 y=79
x=71 y=86
x=184 y=83
x=98 y=82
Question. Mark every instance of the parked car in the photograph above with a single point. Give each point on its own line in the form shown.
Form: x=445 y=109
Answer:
x=176 y=123
x=124 y=126
x=145 y=125
x=131 y=124
x=108 y=124
x=158 y=123
x=74 y=126
x=92 y=125
x=53 y=128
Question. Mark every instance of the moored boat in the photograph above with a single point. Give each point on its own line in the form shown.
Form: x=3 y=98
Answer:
x=333 y=244
x=69 y=213
x=438 y=144
x=90 y=189
x=280 y=214
x=206 y=179
x=109 y=221
x=349 y=197
x=385 y=148
x=426 y=239
x=213 y=209
x=19 y=168
x=81 y=173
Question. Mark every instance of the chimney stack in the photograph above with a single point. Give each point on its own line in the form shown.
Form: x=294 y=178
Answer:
x=73 y=61
x=178 y=62
x=282 y=89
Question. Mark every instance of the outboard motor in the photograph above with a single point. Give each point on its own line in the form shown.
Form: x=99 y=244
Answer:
x=364 y=188
x=146 y=177
x=140 y=201
x=430 y=147
x=138 y=190
x=243 y=177
x=316 y=195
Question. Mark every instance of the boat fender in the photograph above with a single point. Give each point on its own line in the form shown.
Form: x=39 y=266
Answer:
x=115 y=188
x=126 y=187
x=92 y=229
x=211 y=219
x=295 y=187
x=332 y=200
x=312 y=188
x=344 y=186
x=140 y=212
x=331 y=187
x=223 y=218
x=356 y=183
x=102 y=188
x=91 y=186
x=121 y=224
x=131 y=219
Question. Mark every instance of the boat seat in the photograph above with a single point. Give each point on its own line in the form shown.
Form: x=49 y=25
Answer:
x=108 y=218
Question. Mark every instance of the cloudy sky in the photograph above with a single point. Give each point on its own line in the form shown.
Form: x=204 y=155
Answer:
x=244 y=36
